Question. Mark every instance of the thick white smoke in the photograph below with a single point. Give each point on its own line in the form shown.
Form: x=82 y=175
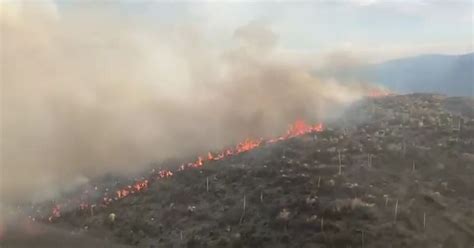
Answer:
x=91 y=91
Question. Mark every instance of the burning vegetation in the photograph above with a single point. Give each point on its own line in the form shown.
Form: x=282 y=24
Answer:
x=141 y=101
x=87 y=201
x=394 y=170
x=81 y=121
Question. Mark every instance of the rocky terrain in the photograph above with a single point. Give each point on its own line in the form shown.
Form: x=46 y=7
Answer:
x=395 y=171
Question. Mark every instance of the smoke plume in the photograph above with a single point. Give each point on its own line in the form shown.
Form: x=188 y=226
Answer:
x=88 y=92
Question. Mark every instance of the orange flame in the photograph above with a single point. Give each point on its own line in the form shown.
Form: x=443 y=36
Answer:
x=296 y=129
x=248 y=145
x=375 y=93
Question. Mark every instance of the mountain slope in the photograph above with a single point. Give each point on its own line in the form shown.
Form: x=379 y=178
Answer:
x=399 y=174
x=443 y=74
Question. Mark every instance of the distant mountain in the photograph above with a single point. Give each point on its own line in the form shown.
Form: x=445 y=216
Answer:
x=448 y=74
x=445 y=74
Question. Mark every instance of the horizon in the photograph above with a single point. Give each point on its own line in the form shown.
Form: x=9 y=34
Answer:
x=369 y=31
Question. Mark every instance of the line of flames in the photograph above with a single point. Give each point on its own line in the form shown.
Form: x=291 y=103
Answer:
x=296 y=129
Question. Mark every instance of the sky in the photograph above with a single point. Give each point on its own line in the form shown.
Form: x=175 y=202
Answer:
x=367 y=28
x=373 y=30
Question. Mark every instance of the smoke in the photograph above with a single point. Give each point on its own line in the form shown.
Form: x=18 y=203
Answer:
x=91 y=91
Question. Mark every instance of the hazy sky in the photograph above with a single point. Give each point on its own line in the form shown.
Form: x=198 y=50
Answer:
x=374 y=29
x=371 y=29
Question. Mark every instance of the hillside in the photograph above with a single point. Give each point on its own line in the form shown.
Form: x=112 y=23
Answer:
x=394 y=172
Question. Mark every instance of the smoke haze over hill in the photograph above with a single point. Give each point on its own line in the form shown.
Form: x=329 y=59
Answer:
x=89 y=92
x=442 y=74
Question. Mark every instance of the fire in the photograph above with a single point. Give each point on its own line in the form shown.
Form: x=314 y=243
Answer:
x=164 y=174
x=296 y=129
x=300 y=128
x=248 y=145
x=378 y=93
x=56 y=213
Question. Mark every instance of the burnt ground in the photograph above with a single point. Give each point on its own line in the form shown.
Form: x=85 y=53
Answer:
x=396 y=171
